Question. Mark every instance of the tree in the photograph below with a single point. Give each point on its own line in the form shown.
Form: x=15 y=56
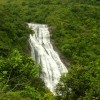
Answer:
x=81 y=83
x=20 y=78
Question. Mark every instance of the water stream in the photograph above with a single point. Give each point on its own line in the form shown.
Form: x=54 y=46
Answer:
x=43 y=53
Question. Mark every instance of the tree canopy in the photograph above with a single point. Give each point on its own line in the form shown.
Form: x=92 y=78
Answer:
x=75 y=29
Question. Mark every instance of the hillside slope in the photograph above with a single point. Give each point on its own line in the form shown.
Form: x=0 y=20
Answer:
x=75 y=28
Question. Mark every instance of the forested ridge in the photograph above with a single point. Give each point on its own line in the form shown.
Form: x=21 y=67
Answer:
x=75 y=28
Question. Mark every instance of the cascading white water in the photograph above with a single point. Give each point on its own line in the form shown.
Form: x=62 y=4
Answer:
x=43 y=53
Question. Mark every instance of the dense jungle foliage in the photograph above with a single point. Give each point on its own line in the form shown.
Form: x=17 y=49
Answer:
x=75 y=28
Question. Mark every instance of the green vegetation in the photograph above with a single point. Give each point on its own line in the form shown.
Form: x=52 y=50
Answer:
x=19 y=75
x=75 y=27
x=19 y=79
x=81 y=83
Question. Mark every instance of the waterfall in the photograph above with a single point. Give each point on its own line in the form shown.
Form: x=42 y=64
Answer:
x=43 y=53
